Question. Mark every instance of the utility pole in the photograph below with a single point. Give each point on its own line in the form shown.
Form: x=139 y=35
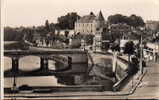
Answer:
x=141 y=56
x=155 y=51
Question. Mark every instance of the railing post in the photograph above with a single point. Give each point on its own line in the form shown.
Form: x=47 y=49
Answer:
x=43 y=63
x=15 y=64
x=70 y=62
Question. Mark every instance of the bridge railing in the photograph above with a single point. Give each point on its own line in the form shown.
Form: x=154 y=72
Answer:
x=65 y=57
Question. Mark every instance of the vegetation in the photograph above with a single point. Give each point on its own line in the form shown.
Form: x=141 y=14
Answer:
x=115 y=47
x=88 y=39
x=64 y=22
x=133 y=20
x=129 y=49
x=67 y=21
x=9 y=33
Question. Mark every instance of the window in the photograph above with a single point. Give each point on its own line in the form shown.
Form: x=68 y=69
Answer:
x=91 y=31
x=97 y=29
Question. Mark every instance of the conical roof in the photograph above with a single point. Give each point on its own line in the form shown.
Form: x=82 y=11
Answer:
x=100 y=16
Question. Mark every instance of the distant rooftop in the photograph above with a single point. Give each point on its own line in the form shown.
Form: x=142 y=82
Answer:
x=91 y=17
x=152 y=21
x=100 y=16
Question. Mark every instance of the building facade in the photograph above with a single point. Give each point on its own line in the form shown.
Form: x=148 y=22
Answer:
x=90 y=24
x=120 y=30
x=152 y=25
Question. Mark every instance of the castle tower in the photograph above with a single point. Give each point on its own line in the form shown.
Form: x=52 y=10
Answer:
x=100 y=17
x=100 y=30
x=100 y=21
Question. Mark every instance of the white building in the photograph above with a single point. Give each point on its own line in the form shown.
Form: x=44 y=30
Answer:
x=89 y=24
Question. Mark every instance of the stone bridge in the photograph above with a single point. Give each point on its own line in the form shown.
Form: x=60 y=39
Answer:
x=69 y=58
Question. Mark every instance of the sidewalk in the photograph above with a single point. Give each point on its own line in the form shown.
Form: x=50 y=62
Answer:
x=149 y=86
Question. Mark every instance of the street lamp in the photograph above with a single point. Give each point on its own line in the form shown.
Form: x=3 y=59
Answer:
x=156 y=46
x=141 y=51
x=141 y=55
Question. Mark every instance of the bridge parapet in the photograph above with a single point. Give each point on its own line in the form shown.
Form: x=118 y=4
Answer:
x=71 y=57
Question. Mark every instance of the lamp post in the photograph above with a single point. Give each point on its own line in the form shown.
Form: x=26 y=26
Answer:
x=141 y=52
x=156 y=46
x=141 y=56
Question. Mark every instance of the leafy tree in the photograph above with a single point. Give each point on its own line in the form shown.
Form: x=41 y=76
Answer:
x=66 y=33
x=132 y=20
x=66 y=37
x=52 y=27
x=67 y=21
x=28 y=35
x=88 y=38
x=47 y=26
x=115 y=47
x=136 y=21
x=117 y=18
x=129 y=49
x=13 y=34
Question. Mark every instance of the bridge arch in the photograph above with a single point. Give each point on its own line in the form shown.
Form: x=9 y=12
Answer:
x=7 y=63
x=29 y=63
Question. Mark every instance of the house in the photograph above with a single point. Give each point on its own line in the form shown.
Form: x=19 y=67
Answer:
x=153 y=47
x=89 y=24
x=95 y=25
x=152 y=51
x=120 y=30
x=152 y=25
x=39 y=39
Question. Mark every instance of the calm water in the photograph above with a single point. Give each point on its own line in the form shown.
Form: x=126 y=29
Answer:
x=30 y=63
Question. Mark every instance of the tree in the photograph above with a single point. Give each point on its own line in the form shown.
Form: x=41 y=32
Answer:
x=117 y=18
x=52 y=27
x=27 y=34
x=47 y=26
x=88 y=38
x=129 y=49
x=66 y=33
x=67 y=21
x=66 y=37
x=13 y=34
x=115 y=47
x=133 y=20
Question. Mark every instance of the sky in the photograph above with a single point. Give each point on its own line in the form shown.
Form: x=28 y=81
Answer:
x=35 y=12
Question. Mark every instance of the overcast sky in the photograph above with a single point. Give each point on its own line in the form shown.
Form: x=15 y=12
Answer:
x=35 y=12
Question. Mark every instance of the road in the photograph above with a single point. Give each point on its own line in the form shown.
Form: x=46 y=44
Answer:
x=149 y=87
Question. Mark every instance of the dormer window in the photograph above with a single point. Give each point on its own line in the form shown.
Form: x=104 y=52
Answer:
x=97 y=29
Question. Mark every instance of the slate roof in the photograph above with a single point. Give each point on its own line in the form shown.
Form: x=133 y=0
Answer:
x=87 y=19
x=91 y=17
x=100 y=17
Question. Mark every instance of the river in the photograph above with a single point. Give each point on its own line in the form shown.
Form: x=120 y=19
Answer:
x=30 y=63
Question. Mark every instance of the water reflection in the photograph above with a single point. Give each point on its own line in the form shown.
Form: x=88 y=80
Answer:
x=30 y=63
x=7 y=63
